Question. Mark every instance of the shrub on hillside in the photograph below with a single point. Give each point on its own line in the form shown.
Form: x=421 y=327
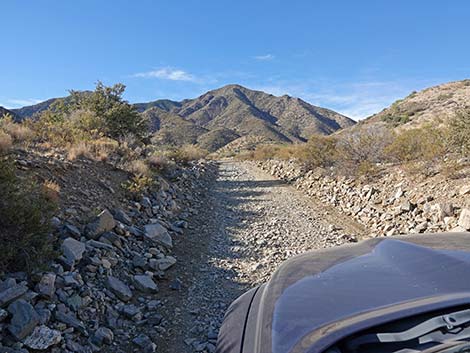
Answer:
x=17 y=131
x=320 y=151
x=426 y=143
x=25 y=214
x=5 y=142
x=459 y=133
x=358 y=150
x=186 y=154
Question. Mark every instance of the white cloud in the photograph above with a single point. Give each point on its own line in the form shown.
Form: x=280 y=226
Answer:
x=168 y=73
x=265 y=57
x=18 y=103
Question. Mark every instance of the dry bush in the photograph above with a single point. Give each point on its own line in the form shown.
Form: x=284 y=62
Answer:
x=51 y=191
x=5 y=142
x=25 y=214
x=159 y=162
x=139 y=184
x=459 y=133
x=81 y=149
x=186 y=154
x=423 y=144
x=319 y=151
x=19 y=132
x=138 y=167
x=264 y=152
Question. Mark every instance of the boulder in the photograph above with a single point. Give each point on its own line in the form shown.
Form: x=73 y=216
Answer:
x=158 y=234
x=145 y=343
x=24 y=319
x=104 y=222
x=42 y=338
x=122 y=217
x=119 y=288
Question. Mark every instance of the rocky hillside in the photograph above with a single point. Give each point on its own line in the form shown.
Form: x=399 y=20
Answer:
x=432 y=105
x=108 y=287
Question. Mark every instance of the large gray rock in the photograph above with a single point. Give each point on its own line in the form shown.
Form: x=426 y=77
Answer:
x=464 y=219
x=73 y=250
x=46 y=286
x=70 y=319
x=42 y=338
x=158 y=233
x=164 y=264
x=119 y=288
x=10 y=294
x=145 y=343
x=24 y=319
x=104 y=222
x=145 y=284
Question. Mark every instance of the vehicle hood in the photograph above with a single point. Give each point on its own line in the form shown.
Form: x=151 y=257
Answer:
x=315 y=299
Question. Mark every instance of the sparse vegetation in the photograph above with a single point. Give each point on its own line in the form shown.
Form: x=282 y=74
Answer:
x=25 y=213
x=459 y=133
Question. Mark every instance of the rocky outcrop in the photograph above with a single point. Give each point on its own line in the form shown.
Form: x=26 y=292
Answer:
x=390 y=205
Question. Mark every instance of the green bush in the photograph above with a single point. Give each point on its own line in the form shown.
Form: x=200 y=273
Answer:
x=25 y=213
x=459 y=133
x=425 y=144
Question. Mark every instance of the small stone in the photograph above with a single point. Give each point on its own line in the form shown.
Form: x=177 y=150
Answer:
x=145 y=284
x=46 y=286
x=73 y=249
x=103 y=336
x=104 y=222
x=165 y=263
x=24 y=319
x=158 y=233
x=119 y=288
x=3 y=314
x=10 y=294
x=122 y=217
x=42 y=338
x=145 y=343
x=73 y=231
x=464 y=190
x=464 y=219
x=176 y=284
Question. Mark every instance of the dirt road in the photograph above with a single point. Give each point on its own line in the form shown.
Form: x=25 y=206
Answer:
x=246 y=224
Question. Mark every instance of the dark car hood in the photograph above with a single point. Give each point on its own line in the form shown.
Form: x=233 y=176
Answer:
x=316 y=298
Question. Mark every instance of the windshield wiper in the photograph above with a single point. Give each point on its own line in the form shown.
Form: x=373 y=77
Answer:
x=450 y=323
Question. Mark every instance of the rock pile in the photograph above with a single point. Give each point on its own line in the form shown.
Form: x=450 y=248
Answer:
x=389 y=206
x=101 y=293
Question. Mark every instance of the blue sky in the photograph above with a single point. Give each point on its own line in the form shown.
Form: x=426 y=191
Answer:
x=355 y=57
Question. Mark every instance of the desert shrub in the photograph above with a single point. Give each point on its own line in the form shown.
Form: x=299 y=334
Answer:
x=5 y=142
x=186 y=154
x=319 y=151
x=51 y=191
x=264 y=152
x=78 y=150
x=396 y=120
x=459 y=133
x=138 y=167
x=159 y=162
x=426 y=143
x=17 y=131
x=139 y=184
x=25 y=214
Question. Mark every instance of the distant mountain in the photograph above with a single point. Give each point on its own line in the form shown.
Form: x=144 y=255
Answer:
x=33 y=110
x=434 y=105
x=4 y=111
x=223 y=115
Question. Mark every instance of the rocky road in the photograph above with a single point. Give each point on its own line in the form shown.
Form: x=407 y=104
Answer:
x=244 y=227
